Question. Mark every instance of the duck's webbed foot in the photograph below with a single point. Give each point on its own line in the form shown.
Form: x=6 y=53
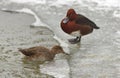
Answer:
x=75 y=40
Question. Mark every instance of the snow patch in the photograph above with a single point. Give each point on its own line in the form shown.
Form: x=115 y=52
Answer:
x=116 y=14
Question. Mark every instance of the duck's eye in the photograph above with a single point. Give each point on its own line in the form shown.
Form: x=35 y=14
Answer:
x=71 y=15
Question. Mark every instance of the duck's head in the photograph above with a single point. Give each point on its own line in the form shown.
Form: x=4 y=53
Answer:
x=57 y=49
x=71 y=15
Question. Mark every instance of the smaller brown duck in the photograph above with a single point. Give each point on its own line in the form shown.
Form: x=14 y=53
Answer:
x=40 y=53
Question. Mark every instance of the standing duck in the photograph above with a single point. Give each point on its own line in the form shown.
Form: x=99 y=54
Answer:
x=42 y=53
x=77 y=25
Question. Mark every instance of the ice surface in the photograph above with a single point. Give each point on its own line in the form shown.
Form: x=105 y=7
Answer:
x=57 y=68
x=116 y=13
x=29 y=1
x=98 y=55
x=58 y=3
x=29 y=11
x=109 y=3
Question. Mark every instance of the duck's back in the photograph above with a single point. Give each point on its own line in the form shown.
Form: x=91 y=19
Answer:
x=82 y=20
x=34 y=50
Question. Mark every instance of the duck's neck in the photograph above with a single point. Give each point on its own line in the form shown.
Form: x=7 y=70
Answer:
x=52 y=54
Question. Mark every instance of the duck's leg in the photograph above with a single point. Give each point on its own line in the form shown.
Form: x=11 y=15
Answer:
x=75 y=40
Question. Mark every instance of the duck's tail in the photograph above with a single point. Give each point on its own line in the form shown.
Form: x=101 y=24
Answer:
x=23 y=51
x=96 y=27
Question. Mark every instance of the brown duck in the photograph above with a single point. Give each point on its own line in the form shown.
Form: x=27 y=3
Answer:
x=77 y=25
x=42 y=53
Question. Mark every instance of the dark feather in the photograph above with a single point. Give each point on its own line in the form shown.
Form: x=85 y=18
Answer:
x=85 y=21
x=26 y=52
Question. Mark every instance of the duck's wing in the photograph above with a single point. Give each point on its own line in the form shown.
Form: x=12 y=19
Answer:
x=27 y=52
x=33 y=50
x=82 y=20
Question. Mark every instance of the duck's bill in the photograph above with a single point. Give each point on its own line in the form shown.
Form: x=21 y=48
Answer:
x=65 y=20
x=66 y=53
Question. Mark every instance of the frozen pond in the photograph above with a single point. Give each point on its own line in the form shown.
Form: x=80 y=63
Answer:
x=98 y=55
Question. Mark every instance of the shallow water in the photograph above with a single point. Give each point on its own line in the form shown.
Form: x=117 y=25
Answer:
x=96 y=57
